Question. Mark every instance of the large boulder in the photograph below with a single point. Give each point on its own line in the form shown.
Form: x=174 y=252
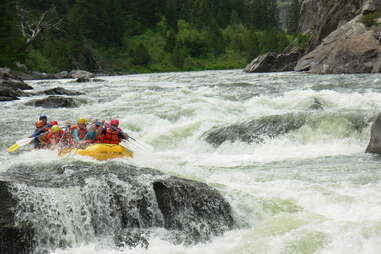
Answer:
x=77 y=74
x=268 y=127
x=59 y=91
x=58 y=205
x=352 y=48
x=54 y=102
x=374 y=145
x=272 y=62
x=11 y=86
x=318 y=18
x=61 y=75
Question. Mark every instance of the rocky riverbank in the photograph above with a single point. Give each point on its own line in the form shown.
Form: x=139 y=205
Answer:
x=339 y=40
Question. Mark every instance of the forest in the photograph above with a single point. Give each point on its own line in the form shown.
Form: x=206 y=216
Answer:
x=134 y=36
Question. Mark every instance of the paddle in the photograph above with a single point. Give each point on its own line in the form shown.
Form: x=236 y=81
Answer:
x=138 y=144
x=20 y=143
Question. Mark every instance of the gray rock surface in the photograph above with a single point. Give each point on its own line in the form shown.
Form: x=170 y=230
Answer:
x=11 y=86
x=350 y=49
x=77 y=74
x=272 y=62
x=374 y=145
x=59 y=91
x=58 y=205
x=54 y=102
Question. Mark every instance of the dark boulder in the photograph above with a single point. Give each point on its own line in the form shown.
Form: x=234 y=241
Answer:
x=61 y=75
x=272 y=62
x=9 y=80
x=59 y=205
x=55 y=102
x=180 y=201
x=258 y=130
x=59 y=91
x=82 y=80
x=255 y=131
x=9 y=92
x=374 y=145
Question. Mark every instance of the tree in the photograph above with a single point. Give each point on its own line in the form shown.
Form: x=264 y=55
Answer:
x=11 y=40
x=142 y=56
x=293 y=18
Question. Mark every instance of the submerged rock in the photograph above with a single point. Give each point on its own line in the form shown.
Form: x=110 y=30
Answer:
x=374 y=145
x=60 y=91
x=54 y=102
x=255 y=131
x=60 y=205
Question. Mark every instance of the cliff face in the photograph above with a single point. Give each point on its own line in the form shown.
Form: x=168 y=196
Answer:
x=321 y=17
x=339 y=41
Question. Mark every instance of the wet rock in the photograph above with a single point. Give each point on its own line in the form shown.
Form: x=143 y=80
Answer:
x=186 y=202
x=258 y=130
x=60 y=91
x=11 y=86
x=9 y=80
x=82 y=80
x=54 y=102
x=78 y=74
x=374 y=145
x=255 y=131
x=132 y=238
x=316 y=105
x=272 y=62
x=48 y=202
x=14 y=93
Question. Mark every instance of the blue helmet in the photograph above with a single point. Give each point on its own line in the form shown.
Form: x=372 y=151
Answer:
x=43 y=117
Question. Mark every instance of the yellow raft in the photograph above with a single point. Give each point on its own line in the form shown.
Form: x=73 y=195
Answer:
x=100 y=152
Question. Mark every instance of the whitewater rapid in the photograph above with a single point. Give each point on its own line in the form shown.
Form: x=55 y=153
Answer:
x=311 y=190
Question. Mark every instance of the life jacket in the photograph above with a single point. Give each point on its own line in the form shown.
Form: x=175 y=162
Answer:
x=111 y=136
x=81 y=132
x=54 y=136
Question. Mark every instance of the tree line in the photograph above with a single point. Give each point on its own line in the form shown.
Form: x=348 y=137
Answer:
x=138 y=35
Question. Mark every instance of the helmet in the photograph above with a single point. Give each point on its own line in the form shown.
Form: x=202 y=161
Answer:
x=82 y=121
x=40 y=124
x=55 y=128
x=114 y=122
x=53 y=123
x=43 y=117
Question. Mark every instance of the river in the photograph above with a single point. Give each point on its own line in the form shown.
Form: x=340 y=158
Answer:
x=311 y=190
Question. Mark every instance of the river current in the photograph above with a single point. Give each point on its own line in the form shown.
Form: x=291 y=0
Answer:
x=311 y=190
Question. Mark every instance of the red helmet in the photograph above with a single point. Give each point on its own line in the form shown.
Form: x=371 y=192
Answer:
x=53 y=123
x=114 y=122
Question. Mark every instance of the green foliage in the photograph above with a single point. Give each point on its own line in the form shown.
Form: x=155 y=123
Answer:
x=302 y=41
x=141 y=55
x=39 y=63
x=369 y=20
x=143 y=35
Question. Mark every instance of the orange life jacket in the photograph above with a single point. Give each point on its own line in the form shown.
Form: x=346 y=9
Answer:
x=111 y=136
x=50 y=136
x=81 y=132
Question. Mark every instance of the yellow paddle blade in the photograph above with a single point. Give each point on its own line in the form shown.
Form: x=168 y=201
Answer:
x=65 y=151
x=13 y=148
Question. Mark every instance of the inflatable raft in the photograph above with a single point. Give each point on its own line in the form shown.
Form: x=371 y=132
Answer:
x=100 y=152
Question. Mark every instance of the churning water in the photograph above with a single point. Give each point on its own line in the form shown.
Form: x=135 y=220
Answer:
x=310 y=189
